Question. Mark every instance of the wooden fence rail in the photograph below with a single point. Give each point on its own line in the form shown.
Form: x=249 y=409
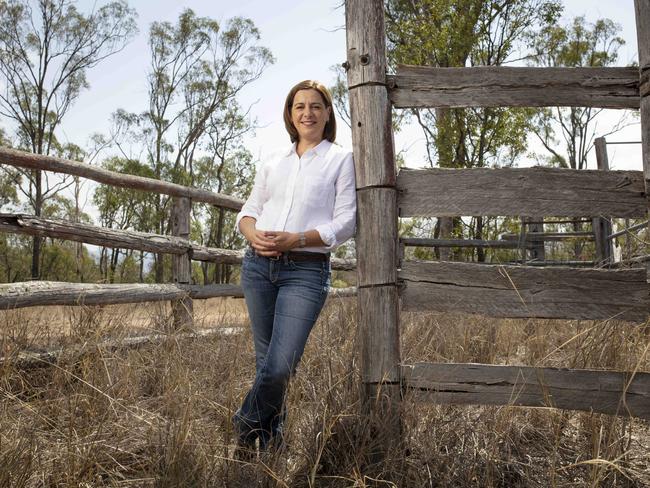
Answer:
x=129 y=239
x=417 y=241
x=520 y=192
x=42 y=293
x=514 y=291
x=22 y=159
x=502 y=86
x=611 y=392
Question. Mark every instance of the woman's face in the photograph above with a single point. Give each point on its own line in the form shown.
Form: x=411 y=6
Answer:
x=309 y=114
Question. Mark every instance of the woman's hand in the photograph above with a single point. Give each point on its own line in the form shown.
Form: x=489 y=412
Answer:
x=264 y=243
x=283 y=241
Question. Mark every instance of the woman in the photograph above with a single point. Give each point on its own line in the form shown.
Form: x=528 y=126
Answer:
x=301 y=208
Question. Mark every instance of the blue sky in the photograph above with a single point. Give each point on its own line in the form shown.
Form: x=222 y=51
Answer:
x=306 y=38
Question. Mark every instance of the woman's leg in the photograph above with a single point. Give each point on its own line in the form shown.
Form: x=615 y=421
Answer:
x=302 y=293
x=260 y=294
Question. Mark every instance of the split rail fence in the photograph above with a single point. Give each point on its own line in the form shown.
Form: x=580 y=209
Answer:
x=181 y=292
x=384 y=284
x=387 y=285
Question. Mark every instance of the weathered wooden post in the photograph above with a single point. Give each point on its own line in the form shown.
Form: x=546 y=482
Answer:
x=642 y=11
x=602 y=225
x=536 y=252
x=376 y=238
x=181 y=263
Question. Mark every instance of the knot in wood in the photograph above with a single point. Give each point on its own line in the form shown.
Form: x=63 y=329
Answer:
x=364 y=59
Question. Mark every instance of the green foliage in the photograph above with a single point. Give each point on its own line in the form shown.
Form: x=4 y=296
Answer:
x=578 y=44
x=457 y=33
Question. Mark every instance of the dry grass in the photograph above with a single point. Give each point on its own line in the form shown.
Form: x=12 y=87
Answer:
x=159 y=415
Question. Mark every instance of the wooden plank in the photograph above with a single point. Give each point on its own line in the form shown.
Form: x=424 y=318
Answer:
x=26 y=160
x=534 y=225
x=642 y=14
x=520 y=192
x=376 y=239
x=611 y=392
x=182 y=309
x=515 y=291
x=44 y=293
x=39 y=293
x=506 y=86
x=366 y=42
x=422 y=242
x=129 y=239
x=534 y=237
x=378 y=320
x=602 y=225
x=371 y=122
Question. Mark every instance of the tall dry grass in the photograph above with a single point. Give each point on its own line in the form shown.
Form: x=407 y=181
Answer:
x=159 y=414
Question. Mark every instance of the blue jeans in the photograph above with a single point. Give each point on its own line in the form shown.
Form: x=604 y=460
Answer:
x=284 y=299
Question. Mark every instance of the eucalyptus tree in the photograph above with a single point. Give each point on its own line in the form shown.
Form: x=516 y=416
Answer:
x=568 y=133
x=198 y=68
x=45 y=53
x=459 y=33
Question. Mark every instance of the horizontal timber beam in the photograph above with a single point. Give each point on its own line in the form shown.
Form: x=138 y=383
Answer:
x=518 y=291
x=502 y=86
x=27 y=160
x=548 y=236
x=610 y=392
x=516 y=192
x=414 y=241
x=42 y=293
x=128 y=239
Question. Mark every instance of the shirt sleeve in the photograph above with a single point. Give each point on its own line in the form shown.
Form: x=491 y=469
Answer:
x=343 y=223
x=253 y=205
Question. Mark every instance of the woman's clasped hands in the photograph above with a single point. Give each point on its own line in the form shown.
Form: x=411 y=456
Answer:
x=272 y=243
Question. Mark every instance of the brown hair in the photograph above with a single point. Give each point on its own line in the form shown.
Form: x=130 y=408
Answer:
x=329 y=132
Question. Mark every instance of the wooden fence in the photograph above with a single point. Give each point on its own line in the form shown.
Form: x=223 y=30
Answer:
x=498 y=291
x=181 y=292
x=383 y=281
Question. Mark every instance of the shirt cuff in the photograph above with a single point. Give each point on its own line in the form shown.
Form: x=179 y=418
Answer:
x=327 y=236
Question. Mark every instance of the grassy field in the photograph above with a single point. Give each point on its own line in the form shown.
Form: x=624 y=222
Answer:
x=159 y=414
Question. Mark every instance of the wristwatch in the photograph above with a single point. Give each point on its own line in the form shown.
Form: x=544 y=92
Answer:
x=302 y=240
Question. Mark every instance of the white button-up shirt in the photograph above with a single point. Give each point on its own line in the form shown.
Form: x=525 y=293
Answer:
x=297 y=194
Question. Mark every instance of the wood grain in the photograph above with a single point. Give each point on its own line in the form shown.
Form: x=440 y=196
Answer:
x=520 y=192
x=374 y=158
x=422 y=242
x=611 y=392
x=26 y=160
x=502 y=86
x=515 y=291
x=366 y=42
x=42 y=293
x=129 y=239
x=376 y=240
x=378 y=320
x=183 y=308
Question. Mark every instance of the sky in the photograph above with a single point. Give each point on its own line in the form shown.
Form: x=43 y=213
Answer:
x=306 y=38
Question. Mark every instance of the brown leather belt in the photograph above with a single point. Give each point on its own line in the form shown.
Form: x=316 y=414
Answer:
x=306 y=256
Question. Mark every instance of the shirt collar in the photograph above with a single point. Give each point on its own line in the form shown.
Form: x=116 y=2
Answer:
x=321 y=149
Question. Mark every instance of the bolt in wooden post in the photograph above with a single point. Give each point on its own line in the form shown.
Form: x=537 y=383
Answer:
x=376 y=239
x=181 y=263
x=642 y=11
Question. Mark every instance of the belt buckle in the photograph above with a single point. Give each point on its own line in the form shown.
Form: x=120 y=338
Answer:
x=275 y=258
